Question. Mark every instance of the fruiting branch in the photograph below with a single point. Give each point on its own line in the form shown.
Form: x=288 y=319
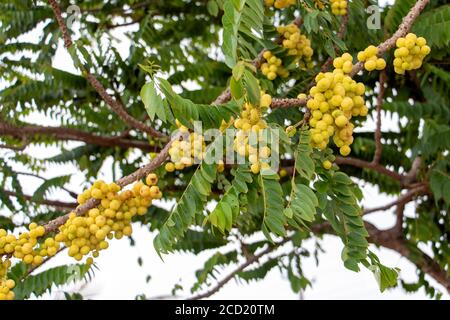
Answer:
x=135 y=176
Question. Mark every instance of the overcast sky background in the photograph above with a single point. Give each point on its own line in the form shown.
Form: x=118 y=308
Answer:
x=120 y=277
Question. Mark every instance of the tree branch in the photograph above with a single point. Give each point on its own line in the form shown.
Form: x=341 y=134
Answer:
x=137 y=175
x=116 y=106
x=225 y=96
x=390 y=239
x=402 y=30
x=53 y=203
x=71 y=193
x=377 y=136
x=407 y=197
x=70 y=134
x=252 y=259
x=369 y=165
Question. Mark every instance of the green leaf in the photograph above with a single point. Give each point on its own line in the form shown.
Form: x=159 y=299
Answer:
x=152 y=102
x=230 y=21
x=45 y=187
x=303 y=161
x=190 y=204
x=252 y=87
x=43 y=282
x=227 y=209
x=213 y=8
x=272 y=197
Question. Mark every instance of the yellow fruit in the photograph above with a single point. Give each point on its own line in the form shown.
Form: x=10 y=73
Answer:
x=381 y=64
x=10 y=284
x=255 y=167
x=327 y=164
x=170 y=167
x=341 y=121
x=370 y=65
x=151 y=179
x=345 y=150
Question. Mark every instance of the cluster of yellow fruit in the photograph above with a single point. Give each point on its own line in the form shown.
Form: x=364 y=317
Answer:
x=410 y=52
x=111 y=219
x=336 y=97
x=250 y=127
x=279 y=4
x=298 y=45
x=81 y=234
x=23 y=247
x=6 y=285
x=273 y=67
x=370 y=59
x=187 y=151
x=339 y=7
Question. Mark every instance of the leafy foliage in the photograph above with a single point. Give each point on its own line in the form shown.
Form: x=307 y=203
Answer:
x=181 y=57
x=43 y=282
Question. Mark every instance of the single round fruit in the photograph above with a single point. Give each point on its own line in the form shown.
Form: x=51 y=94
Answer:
x=327 y=164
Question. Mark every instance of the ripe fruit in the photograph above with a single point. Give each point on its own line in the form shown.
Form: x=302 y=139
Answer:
x=250 y=128
x=410 y=52
x=334 y=100
x=339 y=7
x=186 y=152
x=297 y=44
x=370 y=59
x=273 y=68
x=327 y=164
x=151 y=179
x=279 y=4
x=345 y=150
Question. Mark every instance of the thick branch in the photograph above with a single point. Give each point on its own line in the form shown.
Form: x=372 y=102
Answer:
x=369 y=165
x=69 y=134
x=389 y=239
x=116 y=106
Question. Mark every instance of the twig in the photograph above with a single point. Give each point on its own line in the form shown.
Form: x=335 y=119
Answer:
x=32 y=269
x=53 y=203
x=403 y=29
x=244 y=265
x=226 y=94
x=390 y=239
x=116 y=106
x=71 y=193
x=407 y=197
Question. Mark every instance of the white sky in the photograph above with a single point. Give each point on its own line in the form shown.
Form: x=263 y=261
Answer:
x=120 y=277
